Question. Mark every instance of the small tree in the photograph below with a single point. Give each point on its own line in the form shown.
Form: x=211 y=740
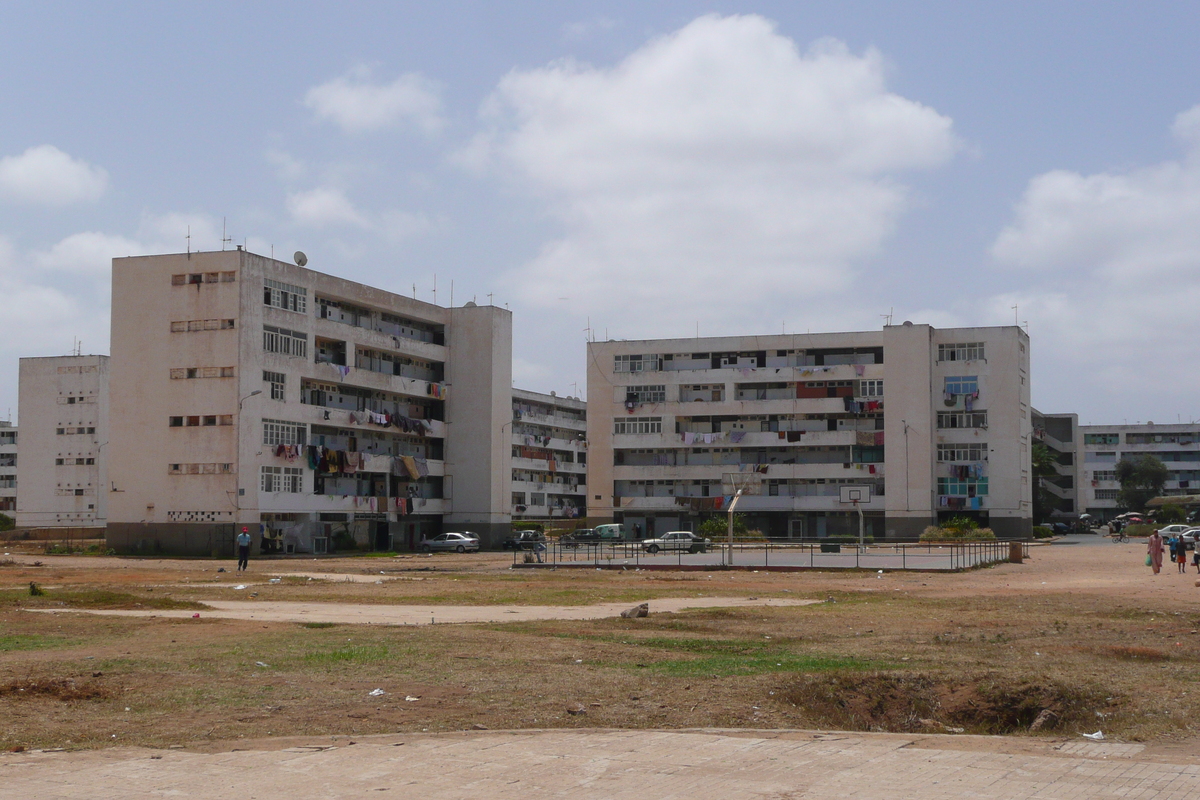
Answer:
x=1141 y=479
x=715 y=527
x=6 y=523
x=1170 y=514
x=1041 y=462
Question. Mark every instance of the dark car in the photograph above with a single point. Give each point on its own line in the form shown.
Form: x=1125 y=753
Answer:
x=523 y=540
x=583 y=536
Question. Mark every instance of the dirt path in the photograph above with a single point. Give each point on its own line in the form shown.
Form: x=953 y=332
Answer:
x=375 y=614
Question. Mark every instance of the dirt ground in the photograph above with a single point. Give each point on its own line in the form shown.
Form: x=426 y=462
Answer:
x=1081 y=637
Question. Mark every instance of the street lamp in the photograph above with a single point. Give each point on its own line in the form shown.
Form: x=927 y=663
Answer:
x=237 y=457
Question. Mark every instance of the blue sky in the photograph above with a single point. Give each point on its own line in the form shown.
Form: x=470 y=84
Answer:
x=647 y=168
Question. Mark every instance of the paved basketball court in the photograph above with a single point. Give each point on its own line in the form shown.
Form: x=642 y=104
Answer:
x=626 y=764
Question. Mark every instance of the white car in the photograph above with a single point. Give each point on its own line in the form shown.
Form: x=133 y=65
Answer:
x=1190 y=535
x=677 y=540
x=1173 y=530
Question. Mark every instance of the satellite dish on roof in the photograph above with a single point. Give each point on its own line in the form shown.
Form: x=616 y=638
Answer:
x=469 y=304
x=300 y=258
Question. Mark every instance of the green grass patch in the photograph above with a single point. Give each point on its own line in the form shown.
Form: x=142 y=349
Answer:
x=33 y=641
x=719 y=666
x=102 y=598
x=357 y=654
x=318 y=625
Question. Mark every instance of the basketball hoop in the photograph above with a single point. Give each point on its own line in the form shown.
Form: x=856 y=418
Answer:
x=853 y=494
x=743 y=483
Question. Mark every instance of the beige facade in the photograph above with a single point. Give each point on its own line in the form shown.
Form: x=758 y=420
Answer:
x=549 y=452
x=64 y=413
x=8 y=468
x=1061 y=434
x=1177 y=445
x=935 y=422
x=231 y=371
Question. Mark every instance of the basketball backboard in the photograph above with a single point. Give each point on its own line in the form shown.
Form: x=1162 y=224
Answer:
x=852 y=493
x=747 y=482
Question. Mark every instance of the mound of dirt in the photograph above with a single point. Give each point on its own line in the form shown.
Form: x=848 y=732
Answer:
x=911 y=703
x=64 y=689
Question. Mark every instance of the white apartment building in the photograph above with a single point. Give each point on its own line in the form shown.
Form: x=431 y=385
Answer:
x=8 y=469
x=1062 y=435
x=248 y=391
x=1176 y=445
x=549 y=456
x=935 y=422
x=64 y=414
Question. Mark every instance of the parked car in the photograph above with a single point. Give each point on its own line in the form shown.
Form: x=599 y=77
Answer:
x=523 y=540
x=1190 y=536
x=582 y=536
x=614 y=531
x=1173 y=530
x=677 y=540
x=456 y=542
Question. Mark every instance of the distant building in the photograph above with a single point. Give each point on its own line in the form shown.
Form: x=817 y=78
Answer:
x=8 y=468
x=934 y=423
x=252 y=392
x=1176 y=445
x=549 y=456
x=64 y=413
x=1064 y=438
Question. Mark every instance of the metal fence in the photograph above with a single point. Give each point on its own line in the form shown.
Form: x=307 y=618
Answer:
x=944 y=557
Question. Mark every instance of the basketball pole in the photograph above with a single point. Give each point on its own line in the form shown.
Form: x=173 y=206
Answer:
x=858 y=508
x=732 y=505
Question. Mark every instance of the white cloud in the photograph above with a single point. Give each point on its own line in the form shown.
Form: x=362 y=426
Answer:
x=87 y=253
x=584 y=29
x=357 y=105
x=717 y=173
x=1111 y=264
x=324 y=206
x=45 y=175
x=287 y=167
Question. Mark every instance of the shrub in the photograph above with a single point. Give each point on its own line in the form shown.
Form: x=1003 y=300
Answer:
x=1140 y=530
x=1042 y=532
x=946 y=534
x=527 y=526
x=1168 y=515
x=718 y=526
x=7 y=523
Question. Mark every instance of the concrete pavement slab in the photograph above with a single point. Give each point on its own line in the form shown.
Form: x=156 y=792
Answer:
x=608 y=764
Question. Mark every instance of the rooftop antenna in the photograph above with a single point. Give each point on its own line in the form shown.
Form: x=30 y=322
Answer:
x=490 y=298
x=272 y=251
x=435 y=288
x=591 y=335
x=414 y=291
x=189 y=241
x=224 y=238
x=887 y=318
x=1015 y=318
x=452 y=292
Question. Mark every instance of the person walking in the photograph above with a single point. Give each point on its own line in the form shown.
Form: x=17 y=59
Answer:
x=1154 y=548
x=1181 y=553
x=243 y=548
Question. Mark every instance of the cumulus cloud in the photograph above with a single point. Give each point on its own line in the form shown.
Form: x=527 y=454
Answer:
x=717 y=172
x=45 y=175
x=357 y=105
x=1111 y=264
x=324 y=206
x=87 y=253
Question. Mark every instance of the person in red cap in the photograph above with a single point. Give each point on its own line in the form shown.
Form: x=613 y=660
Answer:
x=243 y=546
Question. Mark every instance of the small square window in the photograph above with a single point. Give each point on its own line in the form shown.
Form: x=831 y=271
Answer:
x=79 y=492
x=178 y=327
x=91 y=430
x=193 y=422
x=226 y=372
x=210 y=420
x=228 y=277
x=71 y=401
x=60 y=431
x=193 y=372
x=178 y=280
x=211 y=277
x=226 y=419
x=58 y=462
x=175 y=422
x=226 y=324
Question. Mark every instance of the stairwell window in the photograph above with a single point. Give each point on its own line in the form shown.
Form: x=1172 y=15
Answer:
x=963 y=351
x=637 y=425
x=278 y=294
x=962 y=384
x=961 y=419
x=962 y=452
x=277 y=381
x=285 y=342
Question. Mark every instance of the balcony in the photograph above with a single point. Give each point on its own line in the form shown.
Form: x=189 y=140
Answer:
x=334 y=415
x=540 y=465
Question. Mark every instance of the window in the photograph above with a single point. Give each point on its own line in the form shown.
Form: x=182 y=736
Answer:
x=870 y=388
x=188 y=373
x=286 y=296
x=645 y=394
x=277 y=381
x=962 y=452
x=637 y=425
x=638 y=363
x=282 y=479
x=194 y=325
x=210 y=420
x=175 y=422
x=192 y=422
x=179 y=280
x=1104 y=475
x=970 y=351
x=962 y=419
x=279 y=432
x=964 y=384
x=284 y=341
x=200 y=469
x=1106 y=494
x=967 y=487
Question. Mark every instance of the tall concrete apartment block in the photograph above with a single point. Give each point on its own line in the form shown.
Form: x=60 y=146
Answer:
x=1176 y=445
x=8 y=468
x=64 y=413
x=1064 y=438
x=549 y=456
x=935 y=422
x=252 y=392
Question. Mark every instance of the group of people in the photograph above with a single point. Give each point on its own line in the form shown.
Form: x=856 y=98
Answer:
x=1178 y=548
